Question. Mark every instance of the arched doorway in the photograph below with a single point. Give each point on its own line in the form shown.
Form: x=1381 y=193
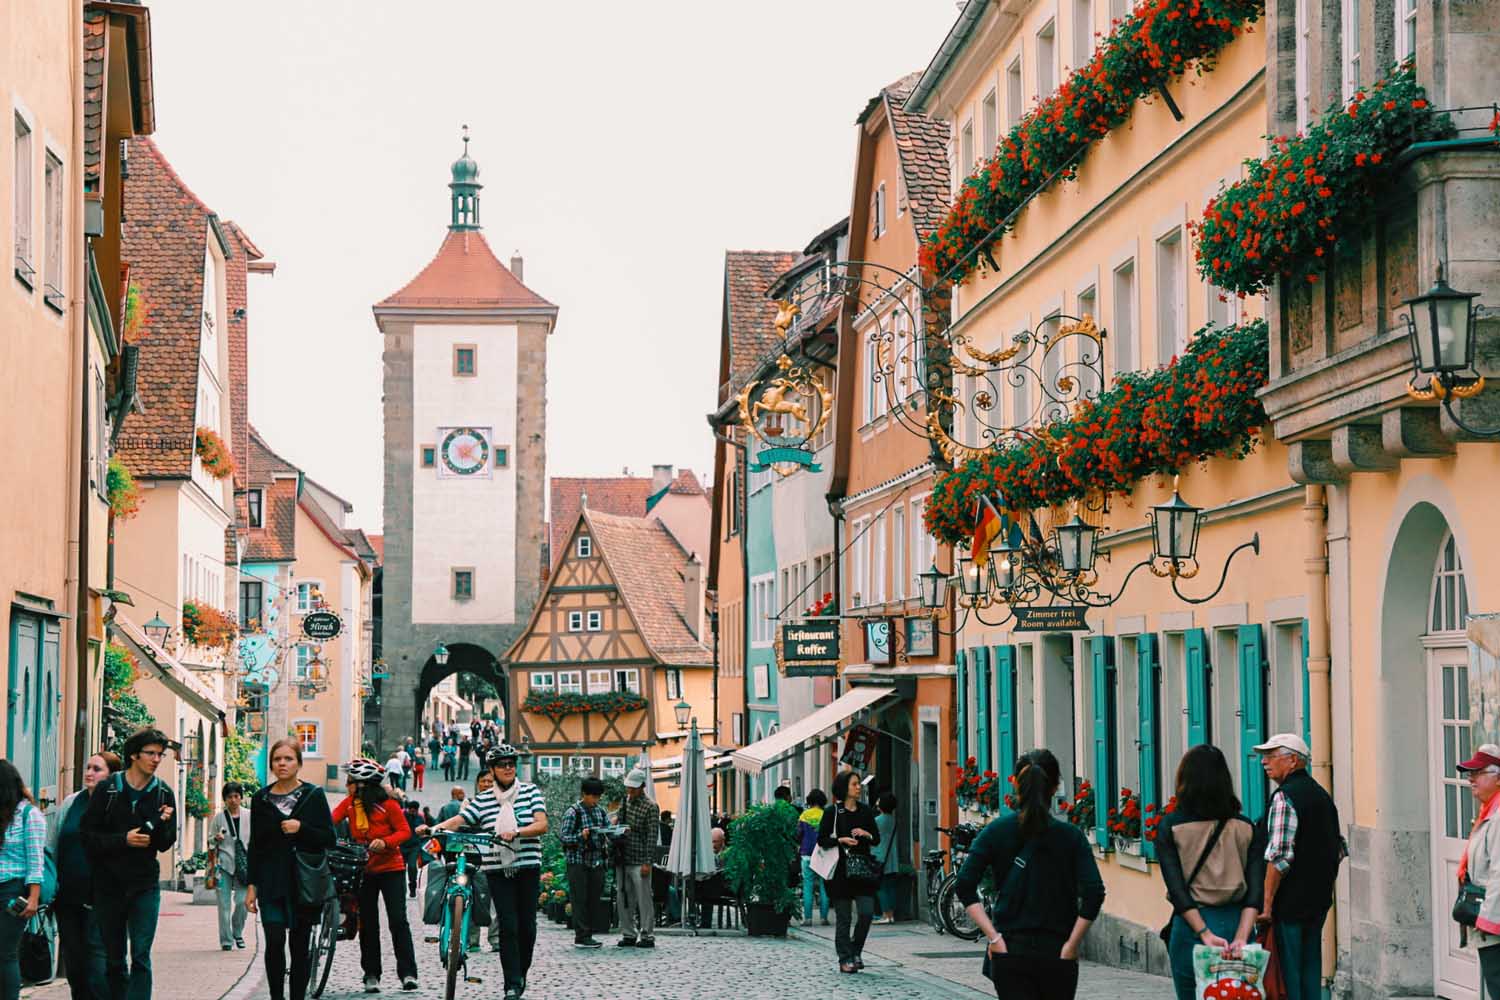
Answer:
x=1423 y=691
x=463 y=658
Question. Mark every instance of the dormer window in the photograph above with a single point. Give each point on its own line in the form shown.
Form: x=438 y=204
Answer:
x=585 y=547
x=255 y=507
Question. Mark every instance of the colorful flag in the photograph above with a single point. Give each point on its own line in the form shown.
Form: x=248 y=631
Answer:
x=987 y=524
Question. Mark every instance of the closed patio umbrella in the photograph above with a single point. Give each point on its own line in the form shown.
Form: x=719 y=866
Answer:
x=692 y=852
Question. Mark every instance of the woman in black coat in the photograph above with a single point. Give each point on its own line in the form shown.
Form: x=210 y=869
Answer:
x=849 y=825
x=289 y=813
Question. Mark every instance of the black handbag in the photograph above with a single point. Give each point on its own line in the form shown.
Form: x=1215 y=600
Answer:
x=1466 y=906
x=1166 y=929
x=241 y=852
x=35 y=954
x=861 y=867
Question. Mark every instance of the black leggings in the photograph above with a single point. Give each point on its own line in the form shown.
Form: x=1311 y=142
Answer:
x=276 y=942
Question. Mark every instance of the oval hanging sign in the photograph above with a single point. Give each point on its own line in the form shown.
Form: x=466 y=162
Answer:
x=322 y=625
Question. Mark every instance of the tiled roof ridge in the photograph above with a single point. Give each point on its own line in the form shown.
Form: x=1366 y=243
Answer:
x=258 y=439
x=149 y=144
x=922 y=157
x=251 y=250
x=643 y=607
x=428 y=275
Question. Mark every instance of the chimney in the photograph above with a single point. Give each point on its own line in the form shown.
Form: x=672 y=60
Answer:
x=692 y=595
x=516 y=264
x=661 y=478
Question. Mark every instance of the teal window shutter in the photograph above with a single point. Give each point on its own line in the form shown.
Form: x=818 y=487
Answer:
x=982 y=707
x=1252 y=719
x=960 y=716
x=1148 y=698
x=1306 y=691
x=1195 y=646
x=1102 y=657
x=1005 y=717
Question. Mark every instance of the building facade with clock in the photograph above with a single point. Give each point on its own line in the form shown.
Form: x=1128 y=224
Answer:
x=465 y=352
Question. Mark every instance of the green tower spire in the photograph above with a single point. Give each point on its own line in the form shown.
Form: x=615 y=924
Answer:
x=465 y=187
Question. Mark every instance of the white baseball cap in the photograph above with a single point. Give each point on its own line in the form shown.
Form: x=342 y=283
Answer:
x=635 y=779
x=1285 y=741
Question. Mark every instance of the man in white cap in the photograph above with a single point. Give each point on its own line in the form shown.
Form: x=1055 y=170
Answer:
x=643 y=818
x=1303 y=853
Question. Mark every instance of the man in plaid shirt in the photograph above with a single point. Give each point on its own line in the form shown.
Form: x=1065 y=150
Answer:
x=643 y=817
x=586 y=851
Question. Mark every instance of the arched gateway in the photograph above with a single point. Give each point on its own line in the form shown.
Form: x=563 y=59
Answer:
x=465 y=353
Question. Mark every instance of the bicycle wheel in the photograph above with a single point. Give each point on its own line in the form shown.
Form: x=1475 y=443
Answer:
x=325 y=939
x=457 y=946
x=934 y=914
x=955 y=916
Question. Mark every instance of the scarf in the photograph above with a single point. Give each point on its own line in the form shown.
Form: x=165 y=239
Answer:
x=361 y=820
x=505 y=822
x=1484 y=814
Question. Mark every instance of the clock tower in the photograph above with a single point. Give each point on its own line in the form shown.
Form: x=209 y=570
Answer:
x=465 y=462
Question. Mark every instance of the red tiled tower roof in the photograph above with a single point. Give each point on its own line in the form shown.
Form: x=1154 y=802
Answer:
x=465 y=274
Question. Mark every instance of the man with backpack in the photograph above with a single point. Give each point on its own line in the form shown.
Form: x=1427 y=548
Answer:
x=125 y=828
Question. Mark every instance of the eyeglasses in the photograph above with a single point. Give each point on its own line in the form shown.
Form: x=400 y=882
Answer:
x=150 y=753
x=506 y=764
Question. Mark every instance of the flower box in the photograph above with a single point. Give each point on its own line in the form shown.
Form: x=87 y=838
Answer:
x=1129 y=845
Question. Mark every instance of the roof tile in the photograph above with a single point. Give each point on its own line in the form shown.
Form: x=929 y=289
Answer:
x=465 y=274
x=922 y=145
x=647 y=564
x=749 y=314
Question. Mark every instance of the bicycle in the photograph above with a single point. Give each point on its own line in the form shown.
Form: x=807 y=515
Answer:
x=339 y=919
x=453 y=934
x=944 y=909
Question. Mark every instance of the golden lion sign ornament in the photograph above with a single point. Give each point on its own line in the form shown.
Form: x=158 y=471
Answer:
x=786 y=411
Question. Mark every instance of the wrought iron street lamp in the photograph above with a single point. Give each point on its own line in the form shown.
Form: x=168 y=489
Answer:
x=684 y=713
x=1075 y=545
x=440 y=654
x=934 y=588
x=1441 y=325
x=156 y=630
x=1174 y=529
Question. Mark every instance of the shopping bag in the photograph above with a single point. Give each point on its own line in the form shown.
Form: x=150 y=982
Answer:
x=1220 y=978
x=823 y=861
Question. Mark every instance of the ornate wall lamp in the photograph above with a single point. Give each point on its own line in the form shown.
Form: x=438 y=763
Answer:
x=1441 y=325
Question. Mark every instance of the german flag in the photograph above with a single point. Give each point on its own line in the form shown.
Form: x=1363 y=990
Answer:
x=987 y=525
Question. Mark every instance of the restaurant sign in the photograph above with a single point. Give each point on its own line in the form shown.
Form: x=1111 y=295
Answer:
x=810 y=649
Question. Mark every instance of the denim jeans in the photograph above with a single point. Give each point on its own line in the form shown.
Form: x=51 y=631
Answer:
x=82 y=950
x=1222 y=920
x=127 y=917
x=1301 y=949
x=813 y=885
x=11 y=927
x=1489 y=970
x=515 y=911
x=859 y=911
x=390 y=887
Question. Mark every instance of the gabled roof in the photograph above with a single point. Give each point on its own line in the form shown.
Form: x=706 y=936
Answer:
x=623 y=495
x=465 y=274
x=749 y=316
x=264 y=464
x=377 y=545
x=165 y=241
x=647 y=564
x=96 y=18
x=922 y=147
x=276 y=539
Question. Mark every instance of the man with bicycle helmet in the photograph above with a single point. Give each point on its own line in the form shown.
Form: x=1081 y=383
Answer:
x=515 y=812
x=377 y=821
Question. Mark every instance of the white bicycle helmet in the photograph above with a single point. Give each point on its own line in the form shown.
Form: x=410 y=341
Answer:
x=364 y=769
x=500 y=754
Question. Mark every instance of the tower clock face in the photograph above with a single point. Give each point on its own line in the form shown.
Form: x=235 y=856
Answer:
x=465 y=451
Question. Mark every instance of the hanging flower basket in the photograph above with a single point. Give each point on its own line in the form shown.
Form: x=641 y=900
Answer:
x=555 y=705
x=1285 y=218
x=122 y=490
x=977 y=790
x=213 y=453
x=207 y=626
x=135 y=318
x=1080 y=811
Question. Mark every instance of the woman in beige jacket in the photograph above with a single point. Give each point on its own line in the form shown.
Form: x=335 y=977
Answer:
x=1481 y=861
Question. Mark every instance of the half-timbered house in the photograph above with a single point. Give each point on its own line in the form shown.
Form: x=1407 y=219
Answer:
x=615 y=643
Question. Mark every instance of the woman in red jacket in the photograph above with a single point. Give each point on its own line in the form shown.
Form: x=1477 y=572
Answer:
x=376 y=820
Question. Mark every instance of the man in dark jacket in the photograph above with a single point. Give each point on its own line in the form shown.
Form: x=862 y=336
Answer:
x=130 y=820
x=1303 y=852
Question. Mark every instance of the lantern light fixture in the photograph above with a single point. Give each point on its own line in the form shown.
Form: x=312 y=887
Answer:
x=440 y=654
x=1174 y=534
x=1075 y=544
x=684 y=713
x=156 y=630
x=1441 y=325
x=934 y=588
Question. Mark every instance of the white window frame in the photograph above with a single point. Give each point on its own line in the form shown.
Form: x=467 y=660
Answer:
x=1083 y=33
x=1086 y=303
x=627 y=680
x=611 y=767
x=876 y=589
x=599 y=681
x=1406 y=29
x=1170 y=279
x=595 y=621
x=761 y=680
x=302 y=657
x=674 y=684
x=877 y=403
x=1046 y=59
x=1124 y=324
x=575 y=621
x=54 y=292
x=1301 y=71
x=23 y=160
x=304 y=595
x=584 y=547
x=899 y=576
x=259 y=507
x=550 y=765
x=1015 y=92
x=966 y=154
x=762 y=607
x=1349 y=46
x=859 y=563
x=989 y=123
x=581 y=764
x=878 y=212
x=541 y=680
x=1020 y=395
x=924 y=546
x=316 y=750
x=1448 y=609
x=570 y=682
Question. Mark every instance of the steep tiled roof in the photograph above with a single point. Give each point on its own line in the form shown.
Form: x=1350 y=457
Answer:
x=361 y=544
x=686 y=483
x=922 y=144
x=647 y=564
x=748 y=313
x=624 y=495
x=465 y=274
x=276 y=539
x=377 y=544
x=94 y=24
x=165 y=235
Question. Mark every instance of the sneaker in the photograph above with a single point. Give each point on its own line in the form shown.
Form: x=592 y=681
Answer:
x=626 y=942
x=227 y=947
x=590 y=943
x=825 y=921
x=646 y=943
x=372 y=984
x=409 y=983
x=239 y=942
x=859 y=962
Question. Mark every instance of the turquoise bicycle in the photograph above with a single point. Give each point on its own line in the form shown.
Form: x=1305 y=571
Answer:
x=455 y=849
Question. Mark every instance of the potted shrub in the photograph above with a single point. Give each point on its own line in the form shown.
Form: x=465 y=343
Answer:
x=758 y=864
x=192 y=876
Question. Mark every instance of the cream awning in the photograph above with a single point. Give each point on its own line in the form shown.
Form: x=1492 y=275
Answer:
x=669 y=766
x=177 y=678
x=788 y=740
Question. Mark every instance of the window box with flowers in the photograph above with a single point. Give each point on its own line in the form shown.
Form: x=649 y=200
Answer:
x=122 y=491
x=555 y=704
x=1080 y=809
x=213 y=453
x=1124 y=823
x=824 y=605
x=977 y=791
x=206 y=626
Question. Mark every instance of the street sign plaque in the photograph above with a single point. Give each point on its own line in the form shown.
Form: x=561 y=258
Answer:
x=810 y=648
x=321 y=626
x=1055 y=618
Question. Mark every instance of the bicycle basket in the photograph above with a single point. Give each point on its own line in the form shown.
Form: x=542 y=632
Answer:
x=347 y=863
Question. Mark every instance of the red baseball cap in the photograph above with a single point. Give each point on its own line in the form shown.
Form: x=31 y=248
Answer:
x=1488 y=755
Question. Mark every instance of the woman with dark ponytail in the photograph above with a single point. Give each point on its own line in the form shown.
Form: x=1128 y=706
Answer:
x=1049 y=889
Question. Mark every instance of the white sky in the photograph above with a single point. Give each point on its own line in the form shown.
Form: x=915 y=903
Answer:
x=623 y=147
